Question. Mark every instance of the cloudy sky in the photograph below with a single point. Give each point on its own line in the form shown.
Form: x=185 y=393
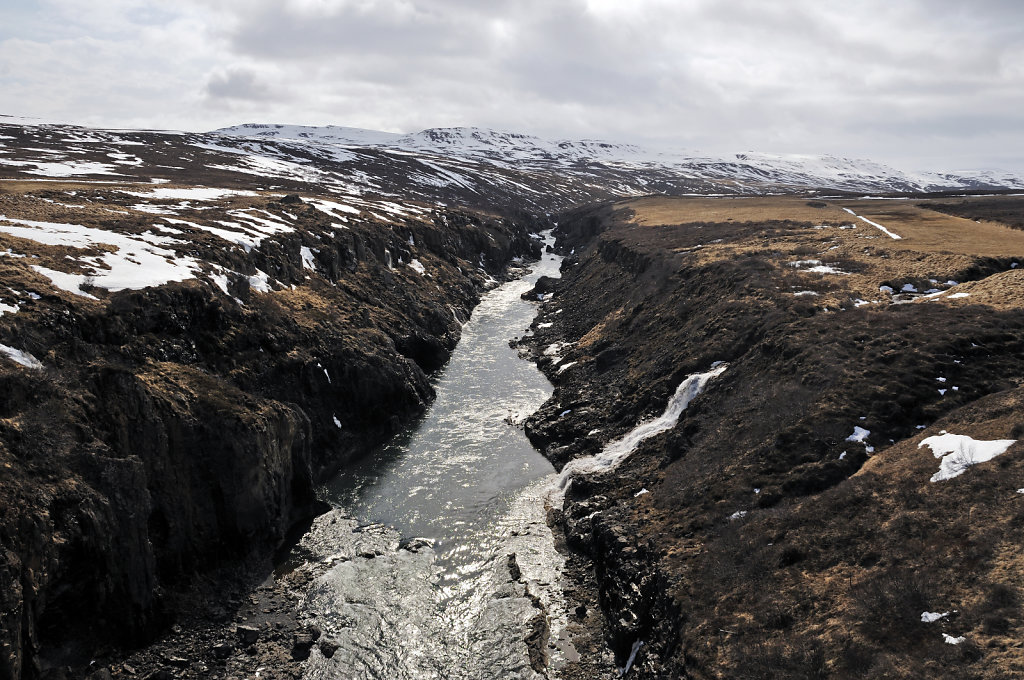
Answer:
x=922 y=84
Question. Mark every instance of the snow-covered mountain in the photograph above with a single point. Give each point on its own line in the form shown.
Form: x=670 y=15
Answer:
x=474 y=167
x=749 y=171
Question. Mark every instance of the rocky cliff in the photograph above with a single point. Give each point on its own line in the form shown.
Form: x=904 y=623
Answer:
x=150 y=433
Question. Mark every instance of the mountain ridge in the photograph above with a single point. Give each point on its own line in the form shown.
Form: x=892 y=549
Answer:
x=503 y=148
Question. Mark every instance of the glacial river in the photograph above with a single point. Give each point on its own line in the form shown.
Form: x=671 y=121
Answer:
x=412 y=568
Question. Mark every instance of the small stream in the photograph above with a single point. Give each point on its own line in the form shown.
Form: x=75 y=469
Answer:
x=413 y=574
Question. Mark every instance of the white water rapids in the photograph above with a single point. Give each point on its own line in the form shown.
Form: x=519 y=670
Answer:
x=411 y=572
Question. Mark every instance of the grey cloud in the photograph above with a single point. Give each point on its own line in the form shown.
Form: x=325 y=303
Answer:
x=894 y=80
x=236 y=84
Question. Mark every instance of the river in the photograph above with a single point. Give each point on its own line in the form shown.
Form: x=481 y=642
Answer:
x=412 y=570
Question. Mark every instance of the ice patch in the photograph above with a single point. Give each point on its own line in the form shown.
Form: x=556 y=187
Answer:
x=331 y=208
x=959 y=452
x=418 y=266
x=21 y=357
x=932 y=617
x=244 y=238
x=260 y=281
x=815 y=266
x=190 y=194
x=632 y=656
x=308 y=260
x=65 y=169
x=875 y=224
x=563 y=367
x=950 y=640
x=860 y=435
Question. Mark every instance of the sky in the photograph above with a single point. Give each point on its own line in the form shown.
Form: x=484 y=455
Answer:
x=919 y=84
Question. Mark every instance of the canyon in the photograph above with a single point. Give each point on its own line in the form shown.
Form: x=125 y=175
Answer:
x=201 y=330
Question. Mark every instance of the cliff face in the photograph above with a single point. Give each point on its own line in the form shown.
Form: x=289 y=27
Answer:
x=788 y=526
x=168 y=430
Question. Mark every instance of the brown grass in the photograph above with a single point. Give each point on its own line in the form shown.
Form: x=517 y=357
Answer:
x=933 y=245
x=665 y=210
x=930 y=231
x=921 y=229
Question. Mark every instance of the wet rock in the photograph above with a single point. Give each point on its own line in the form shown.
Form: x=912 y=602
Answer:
x=222 y=650
x=416 y=544
x=247 y=634
x=544 y=285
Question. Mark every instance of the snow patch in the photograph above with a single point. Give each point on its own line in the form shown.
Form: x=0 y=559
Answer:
x=190 y=194
x=308 y=260
x=618 y=450
x=21 y=357
x=959 y=452
x=875 y=224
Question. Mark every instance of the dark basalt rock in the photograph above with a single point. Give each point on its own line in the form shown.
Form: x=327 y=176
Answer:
x=176 y=431
x=544 y=285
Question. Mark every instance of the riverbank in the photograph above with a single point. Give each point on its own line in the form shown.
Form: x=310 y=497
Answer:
x=788 y=524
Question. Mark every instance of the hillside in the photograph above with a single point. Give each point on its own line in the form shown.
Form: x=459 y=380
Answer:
x=797 y=521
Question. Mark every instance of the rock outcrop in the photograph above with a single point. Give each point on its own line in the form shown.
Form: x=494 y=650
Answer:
x=175 y=429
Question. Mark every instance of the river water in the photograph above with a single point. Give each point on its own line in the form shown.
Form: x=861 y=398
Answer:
x=412 y=570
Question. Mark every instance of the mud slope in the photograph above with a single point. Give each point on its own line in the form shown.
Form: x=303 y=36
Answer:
x=179 y=367
x=788 y=526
